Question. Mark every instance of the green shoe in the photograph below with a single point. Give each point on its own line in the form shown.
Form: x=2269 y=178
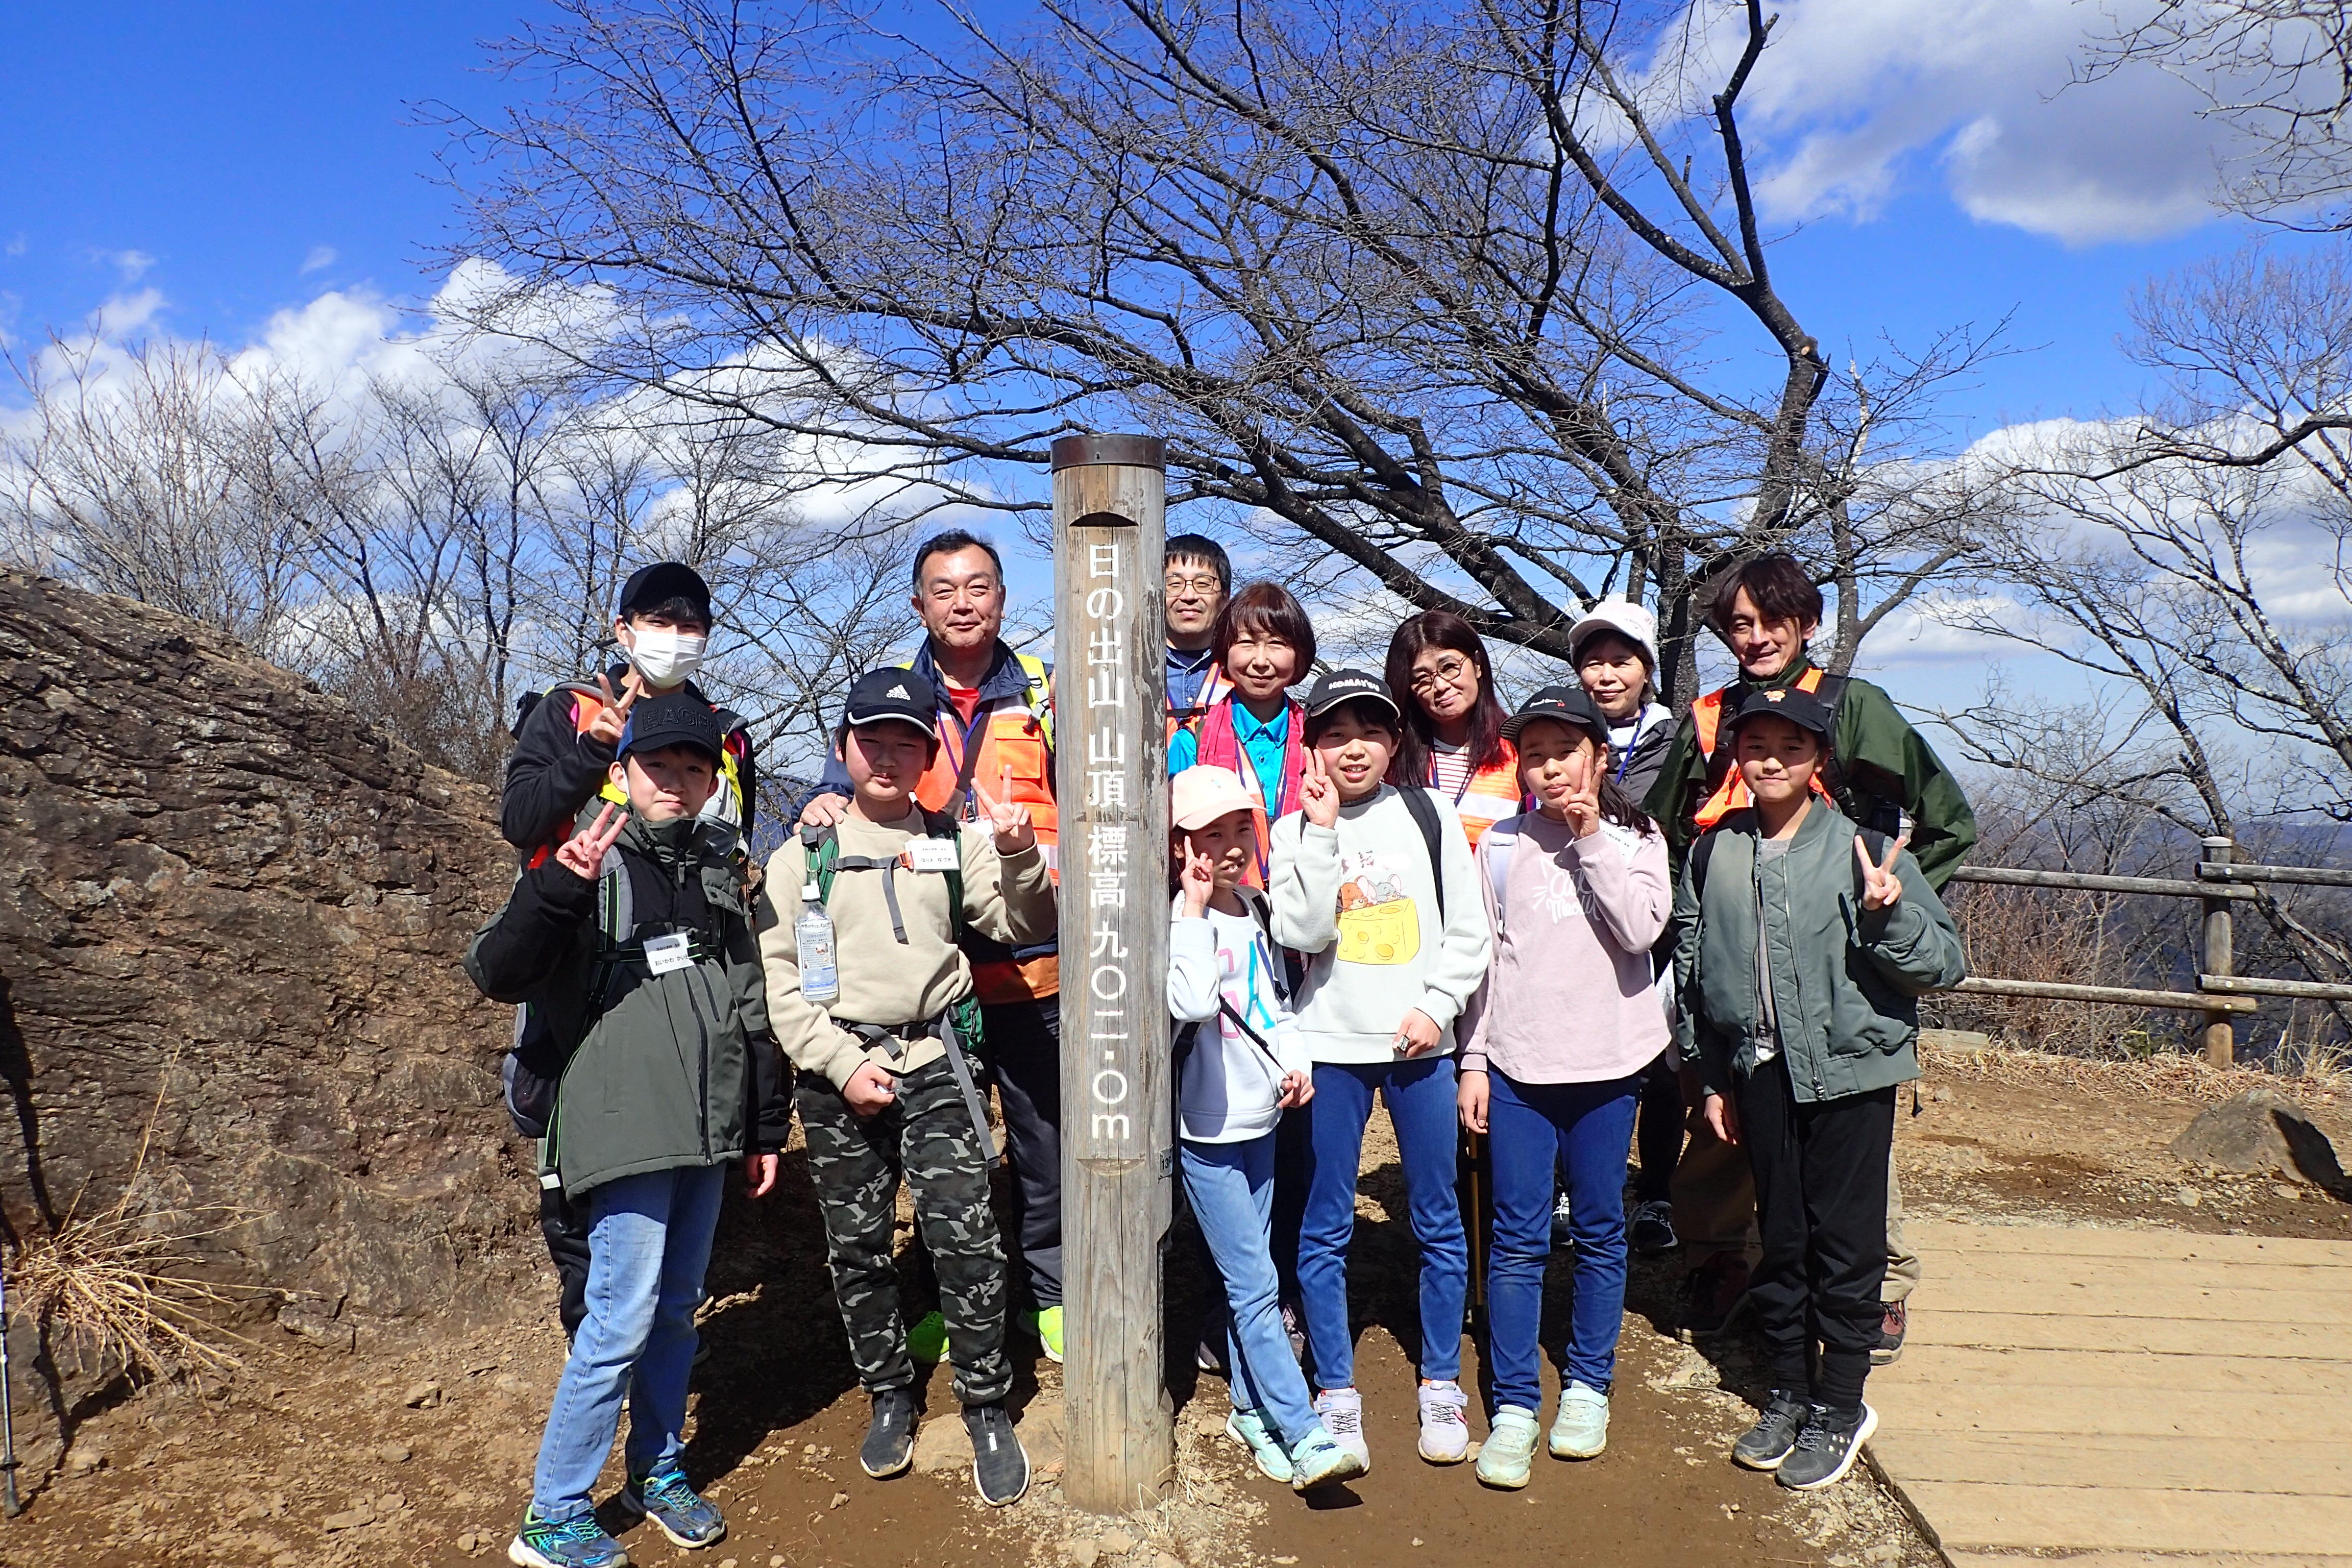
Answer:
x=1046 y=1327
x=928 y=1340
x=1509 y=1451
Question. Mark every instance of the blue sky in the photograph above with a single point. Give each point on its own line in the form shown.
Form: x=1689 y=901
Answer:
x=207 y=165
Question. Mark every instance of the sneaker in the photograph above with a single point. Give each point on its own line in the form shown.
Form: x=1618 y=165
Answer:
x=1319 y=1460
x=1580 y=1430
x=1342 y=1410
x=1563 y=1220
x=927 y=1342
x=1891 y=1329
x=1248 y=1428
x=1827 y=1448
x=1000 y=1466
x=1653 y=1230
x=1047 y=1328
x=1764 y=1445
x=574 y=1544
x=1509 y=1451
x=1713 y=1297
x=1294 y=1329
x=685 y=1515
x=1445 y=1432
x=889 y=1445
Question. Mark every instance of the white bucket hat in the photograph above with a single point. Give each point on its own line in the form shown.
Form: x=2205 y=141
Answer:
x=1627 y=619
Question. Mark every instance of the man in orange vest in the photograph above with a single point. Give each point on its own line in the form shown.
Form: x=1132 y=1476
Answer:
x=996 y=729
x=1199 y=579
x=1881 y=773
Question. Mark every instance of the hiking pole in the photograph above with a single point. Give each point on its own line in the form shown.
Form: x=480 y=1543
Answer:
x=9 y=1500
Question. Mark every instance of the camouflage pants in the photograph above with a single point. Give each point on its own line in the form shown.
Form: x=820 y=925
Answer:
x=856 y=1163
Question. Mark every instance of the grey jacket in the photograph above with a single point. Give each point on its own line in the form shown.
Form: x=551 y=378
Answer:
x=655 y=1071
x=1845 y=981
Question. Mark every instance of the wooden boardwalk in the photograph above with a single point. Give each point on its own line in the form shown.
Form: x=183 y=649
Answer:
x=2109 y=1398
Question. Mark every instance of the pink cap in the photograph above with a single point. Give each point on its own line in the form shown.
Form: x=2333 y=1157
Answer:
x=1199 y=795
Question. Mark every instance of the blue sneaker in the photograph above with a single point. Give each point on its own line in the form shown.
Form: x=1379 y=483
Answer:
x=573 y=1544
x=1248 y=1428
x=685 y=1515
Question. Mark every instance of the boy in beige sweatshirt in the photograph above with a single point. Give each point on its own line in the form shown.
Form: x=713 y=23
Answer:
x=886 y=1072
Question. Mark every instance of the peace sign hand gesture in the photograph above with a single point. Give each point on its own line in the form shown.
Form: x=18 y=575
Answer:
x=1881 y=887
x=1010 y=821
x=1582 y=806
x=1317 y=795
x=1200 y=879
x=614 y=716
x=583 y=854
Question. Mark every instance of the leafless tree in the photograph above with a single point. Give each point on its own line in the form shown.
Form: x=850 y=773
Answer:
x=1473 y=300
x=2278 y=73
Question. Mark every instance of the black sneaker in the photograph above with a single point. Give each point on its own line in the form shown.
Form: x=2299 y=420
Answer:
x=1653 y=1230
x=1827 y=1448
x=1000 y=1466
x=1891 y=1329
x=1763 y=1446
x=889 y=1445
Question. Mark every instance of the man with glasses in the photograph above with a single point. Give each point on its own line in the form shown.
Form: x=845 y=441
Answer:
x=1197 y=580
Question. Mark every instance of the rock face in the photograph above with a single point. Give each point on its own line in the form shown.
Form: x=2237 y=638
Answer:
x=232 y=904
x=2262 y=1132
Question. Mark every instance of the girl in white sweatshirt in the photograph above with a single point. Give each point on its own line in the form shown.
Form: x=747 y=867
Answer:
x=1239 y=1068
x=1376 y=886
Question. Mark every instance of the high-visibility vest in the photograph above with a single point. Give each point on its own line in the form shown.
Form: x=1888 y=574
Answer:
x=1214 y=689
x=1489 y=794
x=726 y=804
x=1727 y=791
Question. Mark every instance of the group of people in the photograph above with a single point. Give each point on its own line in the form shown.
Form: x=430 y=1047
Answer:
x=1544 y=937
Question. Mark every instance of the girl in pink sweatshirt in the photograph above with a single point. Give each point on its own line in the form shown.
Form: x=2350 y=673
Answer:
x=1576 y=892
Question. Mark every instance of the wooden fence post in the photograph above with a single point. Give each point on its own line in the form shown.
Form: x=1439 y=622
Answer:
x=1118 y=1124
x=2221 y=1037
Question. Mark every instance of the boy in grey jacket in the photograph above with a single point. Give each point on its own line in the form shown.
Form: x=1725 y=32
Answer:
x=634 y=945
x=1805 y=946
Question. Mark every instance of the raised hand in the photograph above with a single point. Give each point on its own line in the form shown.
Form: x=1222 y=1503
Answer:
x=1009 y=820
x=1881 y=887
x=1318 y=797
x=614 y=717
x=583 y=854
x=1583 y=807
x=1200 y=879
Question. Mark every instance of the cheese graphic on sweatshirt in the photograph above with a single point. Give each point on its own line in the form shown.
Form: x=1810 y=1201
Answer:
x=1378 y=923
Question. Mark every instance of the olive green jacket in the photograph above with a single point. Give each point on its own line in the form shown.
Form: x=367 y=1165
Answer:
x=1845 y=980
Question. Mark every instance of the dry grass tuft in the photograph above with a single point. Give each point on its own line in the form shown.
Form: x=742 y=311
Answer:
x=2323 y=1080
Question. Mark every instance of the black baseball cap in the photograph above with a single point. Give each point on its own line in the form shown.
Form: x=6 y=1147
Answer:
x=1340 y=686
x=673 y=719
x=650 y=587
x=1802 y=709
x=1568 y=705
x=900 y=694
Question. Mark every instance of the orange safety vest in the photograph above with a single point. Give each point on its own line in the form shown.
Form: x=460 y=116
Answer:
x=1488 y=796
x=726 y=804
x=1730 y=793
x=1214 y=689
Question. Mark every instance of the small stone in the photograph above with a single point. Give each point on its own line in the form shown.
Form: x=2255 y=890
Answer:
x=1081 y=1552
x=1285 y=1561
x=726 y=1563
x=776 y=1560
x=422 y=1396
x=838 y=1498
x=2186 y=1198
x=84 y=1460
x=1208 y=1423
x=2291 y=1195
x=1416 y=1540
x=469 y=1542
x=395 y=1453
x=1167 y=1560
x=942 y=1444
x=808 y=1450
x=1886 y=1551
x=1119 y=1542
x=390 y=1504
x=349 y=1519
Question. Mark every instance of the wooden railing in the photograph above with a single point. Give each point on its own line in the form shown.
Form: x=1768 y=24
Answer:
x=2220 y=992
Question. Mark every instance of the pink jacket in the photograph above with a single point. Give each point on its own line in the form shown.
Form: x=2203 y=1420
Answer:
x=1569 y=996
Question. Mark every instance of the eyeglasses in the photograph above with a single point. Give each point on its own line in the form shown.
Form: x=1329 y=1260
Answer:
x=1201 y=585
x=1445 y=672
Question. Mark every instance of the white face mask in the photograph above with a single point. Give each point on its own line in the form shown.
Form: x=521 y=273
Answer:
x=665 y=656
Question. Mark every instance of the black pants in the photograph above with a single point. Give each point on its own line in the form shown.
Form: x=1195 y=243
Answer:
x=1025 y=1048
x=1820 y=1206
x=1658 y=1134
x=565 y=1226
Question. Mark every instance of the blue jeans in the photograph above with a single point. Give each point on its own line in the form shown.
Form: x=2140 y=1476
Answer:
x=1419 y=1094
x=648 y=1243
x=1231 y=1189
x=1533 y=1130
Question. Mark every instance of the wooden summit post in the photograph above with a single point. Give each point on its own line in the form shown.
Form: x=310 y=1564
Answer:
x=1118 y=1119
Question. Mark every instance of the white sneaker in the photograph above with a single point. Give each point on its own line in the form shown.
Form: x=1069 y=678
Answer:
x=1342 y=1410
x=1445 y=1431
x=1580 y=1430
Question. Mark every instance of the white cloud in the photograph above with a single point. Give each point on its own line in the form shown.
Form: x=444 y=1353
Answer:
x=321 y=257
x=1855 y=98
x=133 y=265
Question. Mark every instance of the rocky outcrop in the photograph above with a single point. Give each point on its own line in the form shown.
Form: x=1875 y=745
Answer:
x=233 y=906
x=2262 y=1132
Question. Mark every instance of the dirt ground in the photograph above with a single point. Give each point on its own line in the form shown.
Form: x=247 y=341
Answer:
x=419 y=1450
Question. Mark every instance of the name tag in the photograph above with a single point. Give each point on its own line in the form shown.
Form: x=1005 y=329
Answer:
x=934 y=854
x=664 y=953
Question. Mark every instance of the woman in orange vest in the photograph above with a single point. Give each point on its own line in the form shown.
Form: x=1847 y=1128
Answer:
x=1263 y=643
x=1453 y=725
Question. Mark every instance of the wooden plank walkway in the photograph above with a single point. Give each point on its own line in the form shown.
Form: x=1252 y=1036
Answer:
x=2125 y=1399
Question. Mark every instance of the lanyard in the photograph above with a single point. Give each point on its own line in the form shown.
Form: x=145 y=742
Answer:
x=1469 y=776
x=1635 y=739
x=965 y=755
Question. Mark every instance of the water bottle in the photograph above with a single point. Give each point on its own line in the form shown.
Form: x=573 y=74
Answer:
x=820 y=979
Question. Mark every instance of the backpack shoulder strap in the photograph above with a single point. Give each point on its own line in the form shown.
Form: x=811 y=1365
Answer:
x=820 y=849
x=1262 y=910
x=1040 y=693
x=1424 y=817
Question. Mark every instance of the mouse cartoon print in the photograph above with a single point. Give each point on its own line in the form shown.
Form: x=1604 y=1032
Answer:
x=1378 y=923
